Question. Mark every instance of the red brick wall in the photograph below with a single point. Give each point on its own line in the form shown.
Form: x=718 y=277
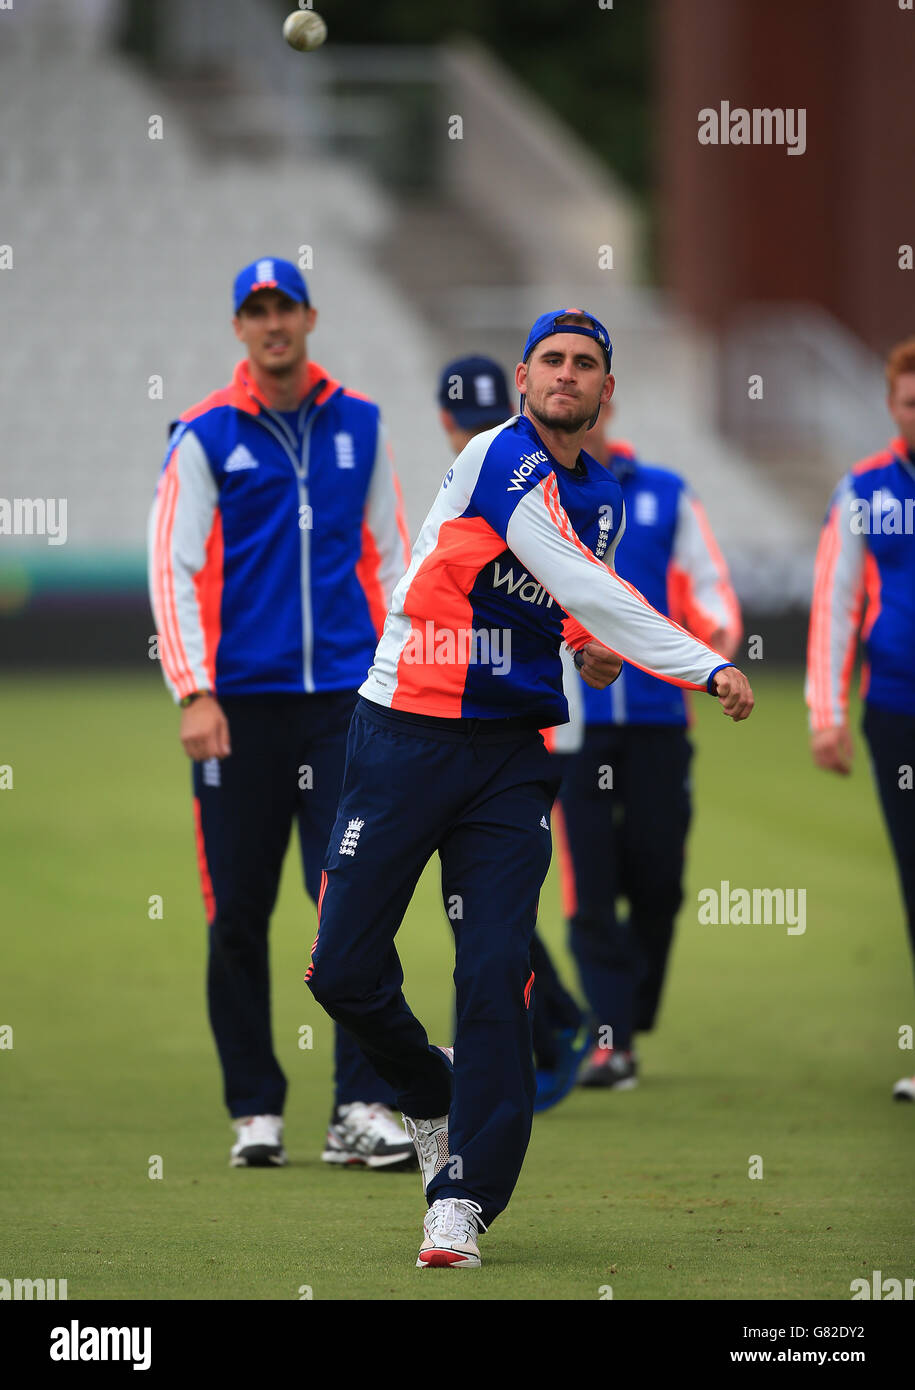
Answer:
x=741 y=223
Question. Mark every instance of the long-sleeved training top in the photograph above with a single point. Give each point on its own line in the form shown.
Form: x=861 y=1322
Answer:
x=274 y=543
x=511 y=560
x=671 y=556
x=865 y=578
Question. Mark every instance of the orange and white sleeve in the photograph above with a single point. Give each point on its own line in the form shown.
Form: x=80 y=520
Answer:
x=540 y=533
x=185 y=567
x=385 y=553
x=701 y=595
x=835 y=613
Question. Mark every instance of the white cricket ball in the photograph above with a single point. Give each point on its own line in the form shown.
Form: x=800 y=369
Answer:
x=304 y=30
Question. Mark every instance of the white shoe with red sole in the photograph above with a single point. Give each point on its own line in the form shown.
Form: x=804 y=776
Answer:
x=451 y=1228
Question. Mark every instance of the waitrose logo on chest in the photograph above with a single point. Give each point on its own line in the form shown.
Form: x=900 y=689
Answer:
x=527 y=589
x=528 y=465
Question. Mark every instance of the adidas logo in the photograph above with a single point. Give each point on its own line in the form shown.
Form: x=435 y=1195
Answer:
x=543 y=822
x=351 y=837
x=240 y=458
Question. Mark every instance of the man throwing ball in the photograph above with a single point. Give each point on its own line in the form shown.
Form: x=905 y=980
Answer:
x=444 y=755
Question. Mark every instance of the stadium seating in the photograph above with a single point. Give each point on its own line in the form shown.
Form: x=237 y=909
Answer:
x=124 y=251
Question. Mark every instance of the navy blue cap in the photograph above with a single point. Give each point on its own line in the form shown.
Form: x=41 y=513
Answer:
x=475 y=391
x=547 y=325
x=270 y=273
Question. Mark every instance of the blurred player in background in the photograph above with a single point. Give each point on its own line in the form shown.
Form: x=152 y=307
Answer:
x=624 y=806
x=445 y=755
x=473 y=396
x=865 y=568
x=275 y=540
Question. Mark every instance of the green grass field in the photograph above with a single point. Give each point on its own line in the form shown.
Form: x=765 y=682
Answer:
x=770 y=1044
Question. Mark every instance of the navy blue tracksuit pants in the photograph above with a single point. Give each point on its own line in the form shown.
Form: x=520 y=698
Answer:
x=625 y=840
x=891 y=739
x=479 y=792
x=286 y=764
x=555 y=1010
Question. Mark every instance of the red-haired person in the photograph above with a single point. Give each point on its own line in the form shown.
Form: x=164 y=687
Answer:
x=864 y=587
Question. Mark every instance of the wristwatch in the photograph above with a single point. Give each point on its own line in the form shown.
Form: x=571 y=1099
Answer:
x=194 y=695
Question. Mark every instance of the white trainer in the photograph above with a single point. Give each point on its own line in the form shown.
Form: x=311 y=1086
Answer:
x=430 y=1138
x=260 y=1142
x=451 y=1228
x=366 y=1136
x=904 y=1089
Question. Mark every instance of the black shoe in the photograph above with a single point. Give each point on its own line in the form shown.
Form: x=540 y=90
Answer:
x=605 y=1066
x=367 y=1136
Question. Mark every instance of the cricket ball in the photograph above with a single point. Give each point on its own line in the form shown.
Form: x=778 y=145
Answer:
x=304 y=30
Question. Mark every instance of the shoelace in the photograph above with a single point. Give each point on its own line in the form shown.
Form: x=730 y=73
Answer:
x=425 y=1142
x=444 y=1219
